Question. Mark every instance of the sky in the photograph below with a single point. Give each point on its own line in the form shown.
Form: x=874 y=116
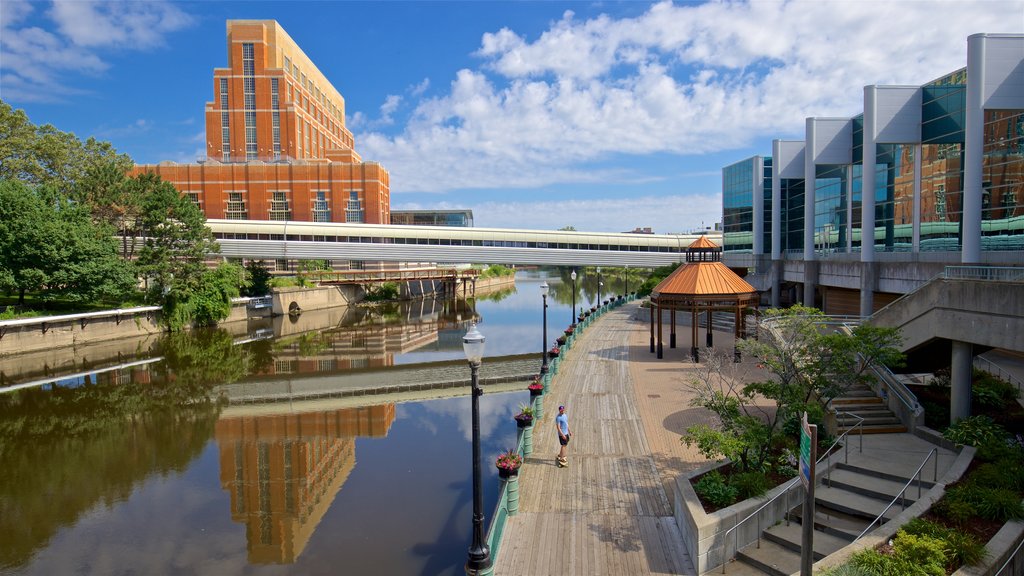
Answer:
x=604 y=116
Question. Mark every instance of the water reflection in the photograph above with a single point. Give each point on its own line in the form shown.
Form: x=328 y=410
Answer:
x=284 y=470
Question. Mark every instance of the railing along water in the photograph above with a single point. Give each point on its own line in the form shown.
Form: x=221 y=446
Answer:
x=903 y=493
x=786 y=492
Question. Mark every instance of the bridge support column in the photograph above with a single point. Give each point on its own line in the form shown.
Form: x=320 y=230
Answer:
x=512 y=494
x=868 y=280
x=960 y=379
x=528 y=440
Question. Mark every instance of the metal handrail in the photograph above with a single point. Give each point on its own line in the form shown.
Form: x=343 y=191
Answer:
x=789 y=487
x=997 y=371
x=846 y=446
x=903 y=493
x=903 y=394
x=987 y=273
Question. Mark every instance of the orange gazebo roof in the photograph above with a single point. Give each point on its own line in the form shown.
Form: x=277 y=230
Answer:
x=703 y=279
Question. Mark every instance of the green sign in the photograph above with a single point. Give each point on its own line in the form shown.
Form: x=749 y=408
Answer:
x=806 y=458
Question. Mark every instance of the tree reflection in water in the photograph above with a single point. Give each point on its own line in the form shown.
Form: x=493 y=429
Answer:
x=66 y=447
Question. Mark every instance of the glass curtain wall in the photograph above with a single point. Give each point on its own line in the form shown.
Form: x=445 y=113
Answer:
x=830 y=225
x=1002 y=209
x=856 y=184
x=942 y=174
x=793 y=215
x=738 y=207
x=894 y=197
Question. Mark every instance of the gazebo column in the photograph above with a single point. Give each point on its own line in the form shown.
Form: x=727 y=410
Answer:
x=652 y=325
x=710 y=338
x=693 y=334
x=661 y=353
x=672 y=328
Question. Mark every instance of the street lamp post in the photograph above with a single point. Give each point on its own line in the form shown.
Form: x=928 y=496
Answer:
x=479 y=561
x=573 y=276
x=544 y=347
x=599 y=286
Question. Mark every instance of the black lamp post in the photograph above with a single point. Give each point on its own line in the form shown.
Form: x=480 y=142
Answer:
x=544 y=347
x=626 y=291
x=599 y=284
x=573 y=276
x=479 y=561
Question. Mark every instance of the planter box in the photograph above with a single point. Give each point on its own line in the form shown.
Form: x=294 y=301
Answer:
x=704 y=534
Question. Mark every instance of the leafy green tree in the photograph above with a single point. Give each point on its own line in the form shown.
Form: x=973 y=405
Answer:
x=44 y=155
x=257 y=278
x=49 y=245
x=115 y=199
x=808 y=362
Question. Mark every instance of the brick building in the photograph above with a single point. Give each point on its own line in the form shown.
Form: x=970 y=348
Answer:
x=276 y=143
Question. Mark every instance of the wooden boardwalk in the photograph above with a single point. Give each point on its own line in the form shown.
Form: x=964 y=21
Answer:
x=607 y=512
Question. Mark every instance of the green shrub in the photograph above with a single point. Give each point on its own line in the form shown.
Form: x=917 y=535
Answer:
x=749 y=484
x=993 y=386
x=381 y=292
x=846 y=570
x=912 y=555
x=975 y=431
x=997 y=504
x=957 y=511
x=960 y=547
x=1002 y=474
x=713 y=489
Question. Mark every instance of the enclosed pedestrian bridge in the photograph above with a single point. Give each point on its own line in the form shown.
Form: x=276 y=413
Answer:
x=397 y=243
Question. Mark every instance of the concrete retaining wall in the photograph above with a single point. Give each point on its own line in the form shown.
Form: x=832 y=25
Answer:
x=54 y=332
x=318 y=298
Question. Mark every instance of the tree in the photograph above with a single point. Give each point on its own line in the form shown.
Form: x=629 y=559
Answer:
x=257 y=278
x=567 y=229
x=115 y=199
x=176 y=243
x=809 y=362
x=50 y=245
x=44 y=155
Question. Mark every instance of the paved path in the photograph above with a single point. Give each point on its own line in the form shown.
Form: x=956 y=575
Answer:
x=607 y=513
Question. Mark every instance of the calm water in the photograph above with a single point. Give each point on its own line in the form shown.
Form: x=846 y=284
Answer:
x=132 y=467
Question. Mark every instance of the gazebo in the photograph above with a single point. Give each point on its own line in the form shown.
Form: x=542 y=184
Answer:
x=703 y=284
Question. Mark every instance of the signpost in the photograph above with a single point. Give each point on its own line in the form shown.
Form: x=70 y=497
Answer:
x=808 y=456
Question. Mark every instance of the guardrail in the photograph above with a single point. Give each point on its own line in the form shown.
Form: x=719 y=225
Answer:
x=795 y=482
x=982 y=363
x=986 y=273
x=903 y=493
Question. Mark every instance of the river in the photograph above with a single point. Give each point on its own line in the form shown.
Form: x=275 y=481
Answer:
x=139 y=465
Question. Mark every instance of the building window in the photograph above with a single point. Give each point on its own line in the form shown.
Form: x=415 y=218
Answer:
x=354 y=208
x=235 y=209
x=194 y=197
x=281 y=265
x=225 y=128
x=249 y=93
x=940 y=202
x=321 y=207
x=279 y=208
x=275 y=117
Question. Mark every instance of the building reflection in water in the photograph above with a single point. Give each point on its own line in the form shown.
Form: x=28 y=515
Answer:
x=284 y=470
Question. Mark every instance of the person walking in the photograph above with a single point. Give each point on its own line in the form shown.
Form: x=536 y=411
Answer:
x=562 y=426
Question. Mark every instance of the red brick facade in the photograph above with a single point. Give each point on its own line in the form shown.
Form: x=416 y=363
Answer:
x=276 y=142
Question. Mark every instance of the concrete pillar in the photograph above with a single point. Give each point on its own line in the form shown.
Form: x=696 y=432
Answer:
x=974 y=126
x=868 y=272
x=960 y=378
x=867 y=184
x=776 y=274
x=810 y=281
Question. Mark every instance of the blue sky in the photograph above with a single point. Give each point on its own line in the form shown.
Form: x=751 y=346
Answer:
x=601 y=115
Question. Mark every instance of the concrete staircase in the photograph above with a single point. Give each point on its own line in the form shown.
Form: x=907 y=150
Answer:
x=863 y=402
x=846 y=502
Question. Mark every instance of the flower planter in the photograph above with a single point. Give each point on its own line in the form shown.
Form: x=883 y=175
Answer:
x=560 y=340
x=523 y=421
x=506 y=473
x=536 y=391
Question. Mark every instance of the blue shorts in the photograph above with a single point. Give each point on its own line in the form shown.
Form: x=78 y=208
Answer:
x=563 y=440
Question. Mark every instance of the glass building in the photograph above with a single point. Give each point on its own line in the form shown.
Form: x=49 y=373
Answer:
x=931 y=173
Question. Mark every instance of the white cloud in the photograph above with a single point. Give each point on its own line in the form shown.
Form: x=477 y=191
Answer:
x=679 y=79
x=420 y=88
x=113 y=23
x=665 y=214
x=37 y=62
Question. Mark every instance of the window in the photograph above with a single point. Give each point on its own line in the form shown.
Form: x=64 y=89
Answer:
x=275 y=117
x=354 y=208
x=235 y=208
x=225 y=128
x=194 y=197
x=321 y=207
x=279 y=207
x=249 y=93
